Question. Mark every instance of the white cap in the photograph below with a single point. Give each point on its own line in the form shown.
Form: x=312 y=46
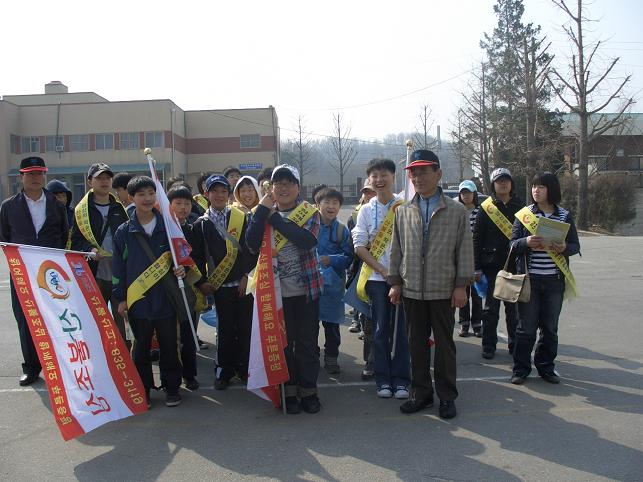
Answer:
x=292 y=170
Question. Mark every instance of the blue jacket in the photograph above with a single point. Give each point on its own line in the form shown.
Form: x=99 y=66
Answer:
x=340 y=252
x=129 y=261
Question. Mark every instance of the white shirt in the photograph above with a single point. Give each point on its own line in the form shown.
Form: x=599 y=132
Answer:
x=149 y=227
x=38 y=211
x=369 y=219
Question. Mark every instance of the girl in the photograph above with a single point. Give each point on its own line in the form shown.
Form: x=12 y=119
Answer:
x=246 y=194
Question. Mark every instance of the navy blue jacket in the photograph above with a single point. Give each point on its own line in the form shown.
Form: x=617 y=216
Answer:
x=16 y=225
x=519 y=236
x=129 y=261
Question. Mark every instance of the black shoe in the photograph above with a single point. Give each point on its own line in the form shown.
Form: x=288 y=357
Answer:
x=292 y=405
x=355 y=327
x=191 y=384
x=367 y=374
x=27 y=379
x=477 y=332
x=203 y=345
x=172 y=400
x=517 y=379
x=488 y=354
x=155 y=355
x=310 y=404
x=413 y=405
x=447 y=409
x=221 y=383
x=511 y=349
x=550 y=377
x=464 y=331
x=148 y=400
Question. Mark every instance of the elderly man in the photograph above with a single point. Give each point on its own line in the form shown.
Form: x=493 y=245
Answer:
x=431 y=266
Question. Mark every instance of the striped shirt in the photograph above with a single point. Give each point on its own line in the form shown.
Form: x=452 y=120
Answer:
x=473 y=214
x=540 y=263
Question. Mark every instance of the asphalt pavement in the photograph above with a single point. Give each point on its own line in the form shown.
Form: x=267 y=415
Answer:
x=587 y=428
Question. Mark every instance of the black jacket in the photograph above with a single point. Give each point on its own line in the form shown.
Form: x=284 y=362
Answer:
x=16 y=225
x=205 y=232
x=490 y=245
x=115 y=216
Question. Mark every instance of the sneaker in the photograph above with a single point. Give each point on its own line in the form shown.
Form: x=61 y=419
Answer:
x=464 y=331
x=413 y=405
x=367 y=374
x=384 y=391
x=488 y=354
x=477 y=332
x=331 y=366
x=310 y=404
x=203 y=345
x=517 y=379
x=550 y=377
x=401 y=393
x=191 y=384
x=221 y=383
x=360 y=336
x=292 y=405
x=355 y=327
x=155 y=355
x=172 y=400
x=447 y=409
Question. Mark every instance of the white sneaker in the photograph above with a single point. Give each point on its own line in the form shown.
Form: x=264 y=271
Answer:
x=384 y=392
x=401 y=393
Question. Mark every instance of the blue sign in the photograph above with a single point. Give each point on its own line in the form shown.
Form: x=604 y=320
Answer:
x=250 y=166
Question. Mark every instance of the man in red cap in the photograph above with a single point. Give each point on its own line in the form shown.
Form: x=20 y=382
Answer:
x=431 y=266
x=33 y=216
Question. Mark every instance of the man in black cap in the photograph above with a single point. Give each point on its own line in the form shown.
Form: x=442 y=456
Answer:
x=33 y=216
x=98 y=215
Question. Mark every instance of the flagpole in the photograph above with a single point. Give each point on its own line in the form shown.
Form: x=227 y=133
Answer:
x=148 y=153
x=409 y=148
x=89 y=254
x=282 y=394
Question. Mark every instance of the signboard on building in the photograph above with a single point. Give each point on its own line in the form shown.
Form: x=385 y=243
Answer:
x=250 y=166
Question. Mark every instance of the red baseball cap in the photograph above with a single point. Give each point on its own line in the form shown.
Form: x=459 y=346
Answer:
x=423 y=157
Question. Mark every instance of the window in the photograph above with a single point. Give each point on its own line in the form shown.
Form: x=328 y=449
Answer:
x=30 y=144
x=51 y=142
x=250 y=141
x=154 y=139
x=15 y=144
x=79 y=142
x=129 y=140
x=104 y=142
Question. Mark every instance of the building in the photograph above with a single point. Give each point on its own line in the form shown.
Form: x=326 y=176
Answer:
x=73 y=130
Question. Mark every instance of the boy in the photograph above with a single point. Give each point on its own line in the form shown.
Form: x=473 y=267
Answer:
x=119 y=184
x=300 y=281
x=97 y=217
x=180 y=198
x=232 y=174
x=218 y=236
x=335 y=252
x=391 y=371
x=147 y=303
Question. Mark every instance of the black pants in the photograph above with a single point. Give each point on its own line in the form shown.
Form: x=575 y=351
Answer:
x=367 y=352
x=105 y=288
x=234 y=329
x=491 y=314
x=471 y=313
x=422 y=317
x=169 y=363
x=302 y=353
x=31 y=364
x=333 y=339
x=188 y=348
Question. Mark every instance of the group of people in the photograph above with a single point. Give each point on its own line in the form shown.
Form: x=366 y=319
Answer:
x=410 y=263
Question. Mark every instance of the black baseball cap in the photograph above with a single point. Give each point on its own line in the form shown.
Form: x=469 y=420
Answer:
x=97 y=169
x=33 y=163
x=423 y=157
x=215 y=179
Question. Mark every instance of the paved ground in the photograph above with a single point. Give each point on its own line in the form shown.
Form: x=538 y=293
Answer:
x=588 y=428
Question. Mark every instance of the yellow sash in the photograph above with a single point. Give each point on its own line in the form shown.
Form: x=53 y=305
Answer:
x=235 y=226
x=499 y=219
x=201 y=201
x=81 y=213
x=148 y=278
x=300 y=215
x=381 y=241
x=530 y=221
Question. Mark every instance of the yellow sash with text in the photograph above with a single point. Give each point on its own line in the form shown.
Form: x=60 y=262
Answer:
x=235 y=226
x=381 y=241
x=81 y=213
x=201 y=201
x=530 y=221
x=499 y=219
x=148 y=278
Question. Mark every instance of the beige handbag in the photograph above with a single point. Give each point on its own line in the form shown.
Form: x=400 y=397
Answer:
x=512 y=287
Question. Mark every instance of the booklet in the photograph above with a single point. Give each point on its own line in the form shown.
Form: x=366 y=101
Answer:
x=551 y=230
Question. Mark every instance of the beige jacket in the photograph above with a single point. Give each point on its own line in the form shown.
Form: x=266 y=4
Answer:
x=431 y=270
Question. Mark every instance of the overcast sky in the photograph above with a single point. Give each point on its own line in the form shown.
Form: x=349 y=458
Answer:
x=304 y=57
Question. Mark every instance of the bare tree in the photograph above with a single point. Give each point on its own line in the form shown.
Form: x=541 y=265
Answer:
x=459 y=146
x=584 y=84
x=422 y=138
x=343 y=148
x=304 y=149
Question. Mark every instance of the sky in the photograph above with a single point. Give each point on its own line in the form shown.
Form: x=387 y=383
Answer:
x=375 y=62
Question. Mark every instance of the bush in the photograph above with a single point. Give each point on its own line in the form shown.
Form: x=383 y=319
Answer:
x=612 y=198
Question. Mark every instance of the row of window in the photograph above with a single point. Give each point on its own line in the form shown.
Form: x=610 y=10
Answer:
x=80 y=142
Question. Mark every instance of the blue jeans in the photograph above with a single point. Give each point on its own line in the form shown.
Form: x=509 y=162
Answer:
x=393 y=371
x=540 y=313
x=333 y=339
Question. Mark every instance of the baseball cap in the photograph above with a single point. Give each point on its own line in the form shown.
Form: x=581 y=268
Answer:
x=97 y=169
x=469 y=185
x=216 y=179
x=367 y=185
x=33 y=163
x=500 y=172
x=290 y=171
x=423 y=157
